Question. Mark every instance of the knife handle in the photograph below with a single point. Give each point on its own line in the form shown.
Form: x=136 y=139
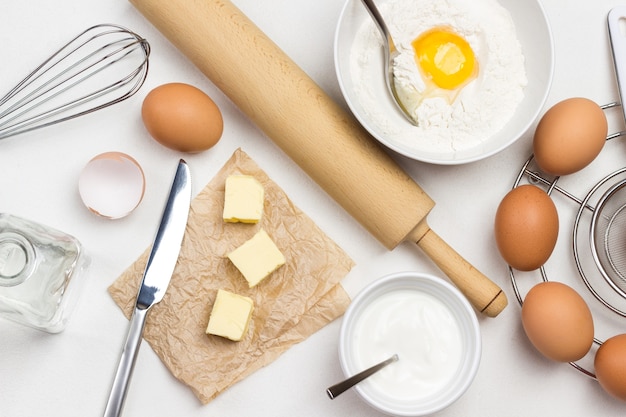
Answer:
x=126 y=365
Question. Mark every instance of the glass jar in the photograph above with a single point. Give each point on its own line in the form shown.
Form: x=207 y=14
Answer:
x=40 y=273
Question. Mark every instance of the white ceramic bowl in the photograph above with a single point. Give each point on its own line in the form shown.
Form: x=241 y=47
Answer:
x=450 y=388
x=535 y=37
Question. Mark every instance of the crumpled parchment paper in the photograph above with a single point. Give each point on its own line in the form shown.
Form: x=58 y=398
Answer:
x=292 y=303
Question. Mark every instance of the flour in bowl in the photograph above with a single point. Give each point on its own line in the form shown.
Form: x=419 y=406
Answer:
x=455 y=111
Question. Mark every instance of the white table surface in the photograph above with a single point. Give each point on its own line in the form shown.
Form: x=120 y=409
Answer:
x=69 y=374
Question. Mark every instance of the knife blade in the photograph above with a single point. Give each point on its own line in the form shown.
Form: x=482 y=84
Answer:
x=156 y=277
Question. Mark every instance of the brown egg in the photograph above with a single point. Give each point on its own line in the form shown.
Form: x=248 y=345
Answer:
x=557 y=321
x=182 y=117
x=610 y=365
x=569 y=136
x=526 y=227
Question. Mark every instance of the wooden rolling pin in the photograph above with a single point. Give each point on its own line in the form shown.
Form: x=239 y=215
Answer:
x=321 y=137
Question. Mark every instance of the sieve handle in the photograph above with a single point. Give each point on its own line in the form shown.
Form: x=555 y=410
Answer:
x=617 y=35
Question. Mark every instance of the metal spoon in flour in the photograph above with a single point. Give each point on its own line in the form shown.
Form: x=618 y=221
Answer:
x=389 y=48
x=343 y=386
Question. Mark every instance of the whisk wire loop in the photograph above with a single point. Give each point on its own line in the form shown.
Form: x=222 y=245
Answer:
x=102 y=66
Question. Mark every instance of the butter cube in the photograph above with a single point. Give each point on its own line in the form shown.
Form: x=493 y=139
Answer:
x=230 y=315
x=243 y=199
x=257 y=258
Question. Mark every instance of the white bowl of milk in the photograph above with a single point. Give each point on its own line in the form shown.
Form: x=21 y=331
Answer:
x=431 y=327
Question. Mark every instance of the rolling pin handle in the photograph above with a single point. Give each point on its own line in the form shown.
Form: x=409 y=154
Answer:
x=481 y=292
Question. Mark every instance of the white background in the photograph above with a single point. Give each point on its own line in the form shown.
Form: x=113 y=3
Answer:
x=69 y=374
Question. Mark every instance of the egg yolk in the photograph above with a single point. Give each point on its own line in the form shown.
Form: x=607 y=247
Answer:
x=445 y=58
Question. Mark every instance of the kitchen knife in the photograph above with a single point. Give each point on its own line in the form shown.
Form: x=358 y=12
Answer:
x=156 y=278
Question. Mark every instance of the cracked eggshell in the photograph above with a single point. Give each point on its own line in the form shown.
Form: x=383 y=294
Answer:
x=112 y=185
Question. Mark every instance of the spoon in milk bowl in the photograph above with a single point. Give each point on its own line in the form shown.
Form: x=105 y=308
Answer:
x=390 y=51
x=343 y=386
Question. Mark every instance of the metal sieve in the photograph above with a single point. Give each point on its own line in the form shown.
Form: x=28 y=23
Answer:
x=608 y=236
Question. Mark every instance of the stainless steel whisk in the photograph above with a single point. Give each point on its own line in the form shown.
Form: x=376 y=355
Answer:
x=102 y=66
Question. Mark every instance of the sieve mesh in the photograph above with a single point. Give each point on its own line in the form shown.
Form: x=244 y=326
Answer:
x=608 y=235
